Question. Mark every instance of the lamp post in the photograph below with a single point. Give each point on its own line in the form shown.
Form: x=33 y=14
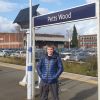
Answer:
x=69 y=37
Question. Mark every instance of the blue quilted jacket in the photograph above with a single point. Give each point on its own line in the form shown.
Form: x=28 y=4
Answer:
x=50 y=68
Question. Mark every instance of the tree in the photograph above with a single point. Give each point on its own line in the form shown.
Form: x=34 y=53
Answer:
x=74 y=38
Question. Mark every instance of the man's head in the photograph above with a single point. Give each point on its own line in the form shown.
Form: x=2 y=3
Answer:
x=50 y=50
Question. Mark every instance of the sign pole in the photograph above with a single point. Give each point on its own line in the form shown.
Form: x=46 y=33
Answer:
x=33 y=60
x=98 y=44
x=30 y=72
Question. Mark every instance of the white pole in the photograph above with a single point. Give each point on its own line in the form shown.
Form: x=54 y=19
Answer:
x=27 y=55
x=24 y=80
x=30 y=82
x=98 y=43
x=33 y=61
x=69 y=43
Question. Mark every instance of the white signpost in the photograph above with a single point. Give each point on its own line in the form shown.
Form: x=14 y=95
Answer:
x=31 y=56
x=98 y=44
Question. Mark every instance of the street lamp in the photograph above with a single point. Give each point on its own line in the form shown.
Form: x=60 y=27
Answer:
x=69 y=37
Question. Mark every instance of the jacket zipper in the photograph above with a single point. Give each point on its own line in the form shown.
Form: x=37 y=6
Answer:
x=48 y=69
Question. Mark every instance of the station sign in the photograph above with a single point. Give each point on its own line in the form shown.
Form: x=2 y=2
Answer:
x=82 y=12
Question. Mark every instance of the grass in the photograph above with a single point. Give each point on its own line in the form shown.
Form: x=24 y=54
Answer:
x=13 y=60
x=88 y=68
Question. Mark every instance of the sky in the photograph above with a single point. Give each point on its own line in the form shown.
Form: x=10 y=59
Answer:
x=10 y=8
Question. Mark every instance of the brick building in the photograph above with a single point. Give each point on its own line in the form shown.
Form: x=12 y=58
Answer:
x=87 y=41
x=11 y=40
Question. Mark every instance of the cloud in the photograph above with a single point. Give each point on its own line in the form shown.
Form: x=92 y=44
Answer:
x=92 y=1
x=6 y=25
x=84 y=27
x=43 y=10
x=7 y=6
x=48 y=1
x=87 y=27
x=57 y=2
x=94 y=23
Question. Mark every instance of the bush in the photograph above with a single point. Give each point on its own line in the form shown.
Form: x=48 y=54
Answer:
x=87 y=68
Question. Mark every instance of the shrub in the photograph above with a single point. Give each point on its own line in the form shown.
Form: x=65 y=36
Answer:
x=87 y=68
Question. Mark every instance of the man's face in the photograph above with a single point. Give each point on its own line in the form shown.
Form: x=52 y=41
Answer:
x=50 y=51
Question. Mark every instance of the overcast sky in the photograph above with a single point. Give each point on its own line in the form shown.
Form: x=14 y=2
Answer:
x=10 y=8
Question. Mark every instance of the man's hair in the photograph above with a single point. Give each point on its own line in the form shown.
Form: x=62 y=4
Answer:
x=50 y=45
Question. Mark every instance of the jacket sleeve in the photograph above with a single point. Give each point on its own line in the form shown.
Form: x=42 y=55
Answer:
x=60 y=67
x=39 y=67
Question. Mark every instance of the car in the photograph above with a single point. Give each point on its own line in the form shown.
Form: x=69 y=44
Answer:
x=65 y=55
x=3 y=54
x=79 y=56
x=14 y=54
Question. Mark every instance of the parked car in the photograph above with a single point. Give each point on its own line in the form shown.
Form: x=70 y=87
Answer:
x=79 y=56
x=3 y=54
x=65 y=55
x=14 y=54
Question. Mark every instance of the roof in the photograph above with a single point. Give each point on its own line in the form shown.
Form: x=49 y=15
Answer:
x=88 y=35
x=49 y=35
x=23 y=16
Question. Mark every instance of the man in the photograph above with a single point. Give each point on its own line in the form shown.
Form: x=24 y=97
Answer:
x=49 y=69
